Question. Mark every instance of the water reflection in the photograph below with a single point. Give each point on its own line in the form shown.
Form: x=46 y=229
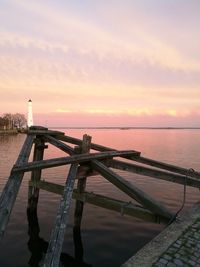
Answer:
x=38 y=246
x=103 y=232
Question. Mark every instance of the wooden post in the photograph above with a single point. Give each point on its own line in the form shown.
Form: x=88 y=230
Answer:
x=81 y=185
x=52 y=257
x=10 y=191
x=33 y=193
x=36 y=245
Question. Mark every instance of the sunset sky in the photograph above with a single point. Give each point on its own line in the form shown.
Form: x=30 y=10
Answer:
x=101 y=63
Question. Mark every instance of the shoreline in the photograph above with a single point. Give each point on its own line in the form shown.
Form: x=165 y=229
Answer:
x=6 y=132
x=126 y=128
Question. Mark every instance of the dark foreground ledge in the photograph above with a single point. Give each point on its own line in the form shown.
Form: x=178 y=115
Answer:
x=177 y=245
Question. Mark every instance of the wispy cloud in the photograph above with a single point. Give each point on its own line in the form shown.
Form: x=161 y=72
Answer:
x=63 y=31
x=104 y=58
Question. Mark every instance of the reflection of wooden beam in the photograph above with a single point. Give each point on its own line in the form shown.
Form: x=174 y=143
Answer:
x=49 y=163
x=131 y=190
x=155 y=173
x=12 y=186
x=52 y=257
x=126 y=208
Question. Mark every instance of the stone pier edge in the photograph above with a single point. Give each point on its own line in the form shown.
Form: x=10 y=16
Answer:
x=151 y=252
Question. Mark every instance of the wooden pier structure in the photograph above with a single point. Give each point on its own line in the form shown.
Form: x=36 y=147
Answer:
x=86 y=159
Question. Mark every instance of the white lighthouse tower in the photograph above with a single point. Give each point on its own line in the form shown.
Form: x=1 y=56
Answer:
x=30 y=114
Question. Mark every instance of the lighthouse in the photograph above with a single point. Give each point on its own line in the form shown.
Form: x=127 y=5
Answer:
x=30 y=114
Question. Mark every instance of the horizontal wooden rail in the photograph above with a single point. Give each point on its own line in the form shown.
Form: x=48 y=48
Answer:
x=44 y=132
x=94 y=146
x=168 y=167
x=154 y=173
x=49 y=163
x=147 y=161
x=122 y=207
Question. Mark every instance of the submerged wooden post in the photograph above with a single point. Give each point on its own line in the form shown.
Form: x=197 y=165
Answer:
x=36 y=245
x=33 y=193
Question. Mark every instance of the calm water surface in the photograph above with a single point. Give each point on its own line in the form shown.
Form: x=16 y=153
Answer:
x=108 y=238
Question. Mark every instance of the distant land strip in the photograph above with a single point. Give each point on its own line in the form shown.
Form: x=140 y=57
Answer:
x=124 y=128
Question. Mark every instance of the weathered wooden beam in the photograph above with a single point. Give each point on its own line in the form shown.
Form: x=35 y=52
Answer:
x=79 y=205
x=33 y=192
x=119 y=206
x=131 y=190
x=81 y=184
x=126 y=208
x=85 y=171
x=64 y=147
x=52 y=257
x=154 y=173
x=12 y=186
x=37 y=127
x=43 y=131
x=48 y=186
x=151 y=162
x=94 y=146
x=168 y=167
x=69 y=160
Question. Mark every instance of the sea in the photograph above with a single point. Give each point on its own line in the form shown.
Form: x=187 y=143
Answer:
x=108 y=238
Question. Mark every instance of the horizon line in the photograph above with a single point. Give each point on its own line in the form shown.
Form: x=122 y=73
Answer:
x=124 y=127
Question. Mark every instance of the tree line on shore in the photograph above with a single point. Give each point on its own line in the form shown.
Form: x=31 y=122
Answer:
x=10 y=121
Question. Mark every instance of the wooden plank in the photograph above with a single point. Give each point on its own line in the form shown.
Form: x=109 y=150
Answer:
x=151 y=162
x=52 y=257
x=78 y=212
x=81 y=185
x=37 y=127
x=154 y=173
x=12 y=186
x=69 y=160
x=119 y=206
x=66 y=148
x=131 y=190
x=168 y=167
x=33 y=192
x=94 y=146
x=44 y=132
x=48 y=186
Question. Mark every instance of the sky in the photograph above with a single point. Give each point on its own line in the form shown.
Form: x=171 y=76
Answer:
x=101 y=63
